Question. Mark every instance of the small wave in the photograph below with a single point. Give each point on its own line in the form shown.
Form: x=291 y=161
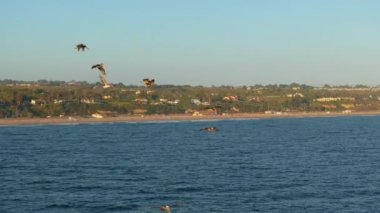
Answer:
x=84 y=188
x=189 y=189
x=124 y=207
x=58 y=206
x=113 y=207
x=22 y=125
x=37 y=182
x=64 y=124
x=206 y=120
x=38 y=125
x=95 y=123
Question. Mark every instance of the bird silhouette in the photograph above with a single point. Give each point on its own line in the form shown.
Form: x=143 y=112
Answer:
x=100 y=68
x=81 y=47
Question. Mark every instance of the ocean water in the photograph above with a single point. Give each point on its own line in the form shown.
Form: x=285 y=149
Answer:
x=329 y=164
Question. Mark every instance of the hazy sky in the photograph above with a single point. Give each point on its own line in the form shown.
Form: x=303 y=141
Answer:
x=197 y=42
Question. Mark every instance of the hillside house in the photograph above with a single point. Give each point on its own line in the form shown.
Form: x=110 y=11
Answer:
x=141 y=101
x=195 y=101
x=230 y=98
x=87 y=100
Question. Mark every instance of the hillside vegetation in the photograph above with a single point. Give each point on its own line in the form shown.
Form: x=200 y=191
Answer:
x=58 y=98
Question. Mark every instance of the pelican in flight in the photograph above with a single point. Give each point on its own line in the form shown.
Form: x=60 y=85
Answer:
x=104 y=82
x=147 y=82
x=81 y=47
x=100 y=68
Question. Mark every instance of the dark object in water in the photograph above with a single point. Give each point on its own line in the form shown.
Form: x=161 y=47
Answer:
x=165 y=208
x=209 y=129
x=81 y=47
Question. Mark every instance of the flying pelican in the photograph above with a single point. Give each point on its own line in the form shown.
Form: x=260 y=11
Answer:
x=81 y=47
x=100 y=68
x=104 y=82
x=147 y=82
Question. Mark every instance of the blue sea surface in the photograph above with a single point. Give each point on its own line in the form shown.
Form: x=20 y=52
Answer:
x=329 y=164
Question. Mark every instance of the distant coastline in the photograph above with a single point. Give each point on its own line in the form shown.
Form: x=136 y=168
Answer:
x=86 y=102
x=173 y=117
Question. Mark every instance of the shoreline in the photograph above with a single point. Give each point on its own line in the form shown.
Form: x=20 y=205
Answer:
x=173 y=117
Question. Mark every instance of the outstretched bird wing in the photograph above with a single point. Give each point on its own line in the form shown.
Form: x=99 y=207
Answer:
x=81 y=47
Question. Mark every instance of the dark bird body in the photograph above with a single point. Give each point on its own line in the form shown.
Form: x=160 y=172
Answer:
x=81 y=47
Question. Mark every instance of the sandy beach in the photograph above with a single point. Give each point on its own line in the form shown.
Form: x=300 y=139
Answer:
x=174 y=117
